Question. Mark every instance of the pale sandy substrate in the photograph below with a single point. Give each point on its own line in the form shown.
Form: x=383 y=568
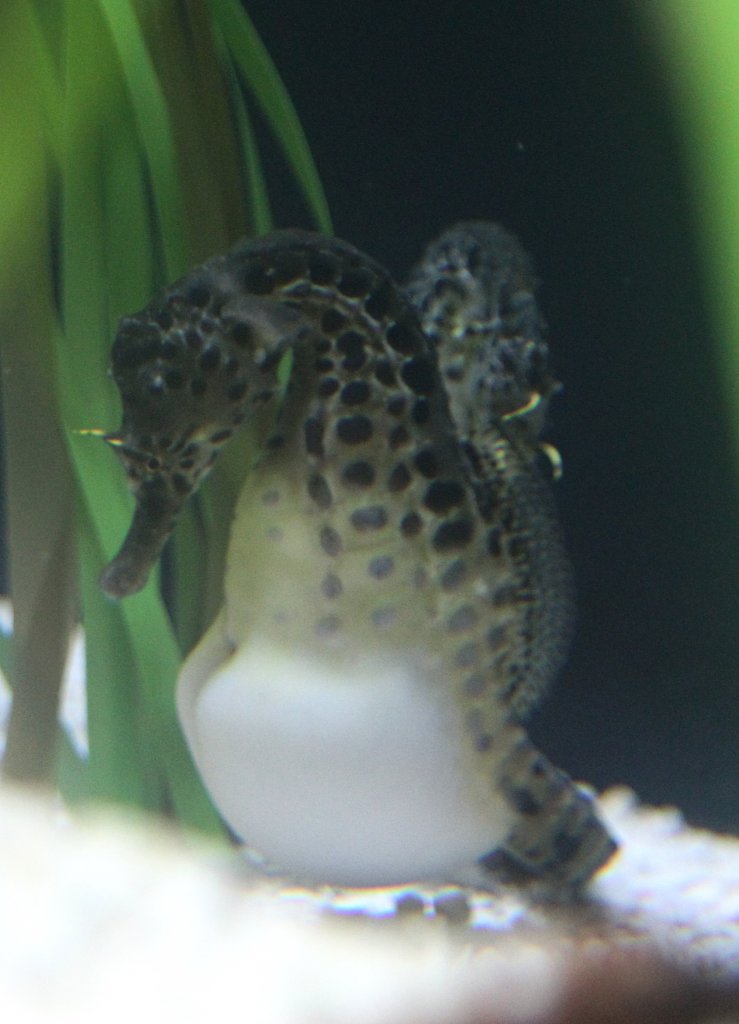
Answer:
x=110 y=918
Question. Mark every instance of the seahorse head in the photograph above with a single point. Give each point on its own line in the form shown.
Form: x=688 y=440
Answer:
x=189 y=367
x=475 y=291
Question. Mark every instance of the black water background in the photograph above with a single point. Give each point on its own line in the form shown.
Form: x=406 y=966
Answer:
x=556 y=120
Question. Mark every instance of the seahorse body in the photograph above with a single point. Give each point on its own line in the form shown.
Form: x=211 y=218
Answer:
x=396 y=596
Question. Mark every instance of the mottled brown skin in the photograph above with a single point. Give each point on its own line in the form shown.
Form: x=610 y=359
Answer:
x=414 y=417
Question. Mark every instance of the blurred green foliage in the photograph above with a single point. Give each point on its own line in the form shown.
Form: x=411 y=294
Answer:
x=128 y=154
x=697 y=44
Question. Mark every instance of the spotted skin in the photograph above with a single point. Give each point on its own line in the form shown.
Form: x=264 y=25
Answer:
x=398 y=489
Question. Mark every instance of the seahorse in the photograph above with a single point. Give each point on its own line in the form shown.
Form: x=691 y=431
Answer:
x=396 y=595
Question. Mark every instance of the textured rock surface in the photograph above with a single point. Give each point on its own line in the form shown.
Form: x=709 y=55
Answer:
x=106 y=917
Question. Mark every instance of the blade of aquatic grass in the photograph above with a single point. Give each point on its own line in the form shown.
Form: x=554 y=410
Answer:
x=255 y=184
x=137 y=753
x=136 y=658
x=700 y=42
x=24 y=59
x=253 y=174
x=154 y=126
x=180 y=34
x=6 y=657
x=73 y=773
x=130 y=251
x=88 y=400
x=132 y=656
x=38 y=493
x=110 y=258
x=119 y=768
x=253 y=62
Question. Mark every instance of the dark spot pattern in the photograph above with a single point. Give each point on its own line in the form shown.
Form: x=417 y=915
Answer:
x=454 y=575
x=421 y=411
x=331 y=586
x=355 y=393
x=332 y=321
x=355 y=282
x=399 y=436
x=328 y=387
x=523 y=801
x=402 y=338
x=463 y=619
x=351 y=346
x=419 y=374
x=319 y=491
x=330 y=541
x=443 y=495
x=381 y=302
x=371 y=517
x=381 y=567
x=411 y=524
x=483 y=742
x=313 y=431
x=400 y=477
x=354 y=429
x=385 y=373
x=426 y=463
x=358 y=474
x=396 y=405
x=328 y=625
x=454 y=533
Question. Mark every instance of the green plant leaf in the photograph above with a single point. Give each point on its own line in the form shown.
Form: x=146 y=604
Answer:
x=254 y=63
x=128 y=153
x=699 y=43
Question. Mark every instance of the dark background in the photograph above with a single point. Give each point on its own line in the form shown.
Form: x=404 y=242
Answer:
x=556 y=120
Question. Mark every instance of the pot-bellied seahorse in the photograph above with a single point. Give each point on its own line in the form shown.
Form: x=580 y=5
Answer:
x=396 y=594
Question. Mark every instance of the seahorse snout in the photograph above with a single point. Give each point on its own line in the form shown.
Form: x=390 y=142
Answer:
x=155 y=515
